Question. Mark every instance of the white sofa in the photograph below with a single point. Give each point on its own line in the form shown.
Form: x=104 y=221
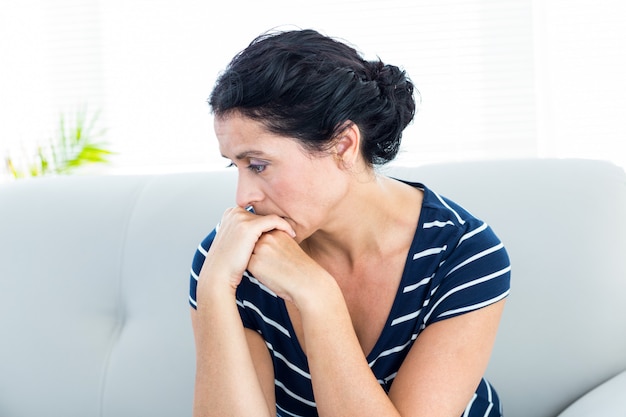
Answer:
x=94 y=318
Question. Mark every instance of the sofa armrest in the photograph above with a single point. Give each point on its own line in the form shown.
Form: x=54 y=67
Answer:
x=606 y=400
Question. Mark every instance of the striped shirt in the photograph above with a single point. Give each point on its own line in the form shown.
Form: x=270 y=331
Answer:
x=456 y=264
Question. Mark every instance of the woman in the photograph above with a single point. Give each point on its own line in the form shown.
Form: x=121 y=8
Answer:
x=330 y=289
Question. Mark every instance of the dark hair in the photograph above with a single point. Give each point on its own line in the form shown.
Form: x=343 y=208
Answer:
x=305 y=85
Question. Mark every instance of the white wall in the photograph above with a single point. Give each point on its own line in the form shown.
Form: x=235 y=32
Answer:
x=499 y=78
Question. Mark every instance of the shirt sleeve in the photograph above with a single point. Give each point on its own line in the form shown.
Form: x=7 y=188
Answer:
x=475 y=271
x=196 y=266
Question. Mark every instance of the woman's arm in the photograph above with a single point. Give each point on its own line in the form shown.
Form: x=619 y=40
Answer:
x=445 y=365
x=343 y=383
x=227 y=382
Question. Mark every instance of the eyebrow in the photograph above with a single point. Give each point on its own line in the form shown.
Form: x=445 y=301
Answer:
x=246 y=154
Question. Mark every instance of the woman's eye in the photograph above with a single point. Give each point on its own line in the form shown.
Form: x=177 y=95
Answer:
x=256 y=168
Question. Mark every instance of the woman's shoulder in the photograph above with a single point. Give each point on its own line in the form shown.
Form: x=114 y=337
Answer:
x=438 y=210
x=447 y=226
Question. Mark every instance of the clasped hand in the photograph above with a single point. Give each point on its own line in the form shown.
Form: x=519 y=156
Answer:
x=264 y=245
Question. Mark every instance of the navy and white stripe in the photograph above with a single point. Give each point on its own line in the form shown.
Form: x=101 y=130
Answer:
x=456 y=264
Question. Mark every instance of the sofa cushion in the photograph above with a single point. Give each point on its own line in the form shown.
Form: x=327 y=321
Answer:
x=607 y=400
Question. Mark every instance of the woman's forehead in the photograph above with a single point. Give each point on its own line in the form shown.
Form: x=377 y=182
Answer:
x=240 y=137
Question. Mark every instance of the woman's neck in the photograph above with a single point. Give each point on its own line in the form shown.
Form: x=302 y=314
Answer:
x=376 y=217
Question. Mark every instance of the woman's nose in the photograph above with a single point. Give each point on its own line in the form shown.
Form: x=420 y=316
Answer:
x=247 y=192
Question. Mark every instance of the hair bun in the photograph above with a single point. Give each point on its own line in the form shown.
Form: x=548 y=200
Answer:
x=391 y=80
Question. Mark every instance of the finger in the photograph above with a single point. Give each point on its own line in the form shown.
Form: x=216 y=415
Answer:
x=280 y=224
x=267 y=222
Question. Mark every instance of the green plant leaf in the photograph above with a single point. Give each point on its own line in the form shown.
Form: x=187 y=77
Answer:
x=14 y=172
x=72 y=147
x=88 y=154
x=44 y=165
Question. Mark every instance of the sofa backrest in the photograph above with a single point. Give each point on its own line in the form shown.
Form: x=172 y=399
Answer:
x=94 y=273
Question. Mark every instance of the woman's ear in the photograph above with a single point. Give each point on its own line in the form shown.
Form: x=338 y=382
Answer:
x=347 y=147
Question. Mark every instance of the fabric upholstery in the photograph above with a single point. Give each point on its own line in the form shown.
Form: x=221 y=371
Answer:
x=607 y=400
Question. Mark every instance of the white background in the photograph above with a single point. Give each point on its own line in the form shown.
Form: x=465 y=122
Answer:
x=498 y=78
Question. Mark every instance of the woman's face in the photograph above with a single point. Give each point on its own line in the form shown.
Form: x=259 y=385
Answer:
x=278 y=176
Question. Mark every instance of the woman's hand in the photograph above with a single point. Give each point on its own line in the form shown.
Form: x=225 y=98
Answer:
x=235 y=242
x=279 y=262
